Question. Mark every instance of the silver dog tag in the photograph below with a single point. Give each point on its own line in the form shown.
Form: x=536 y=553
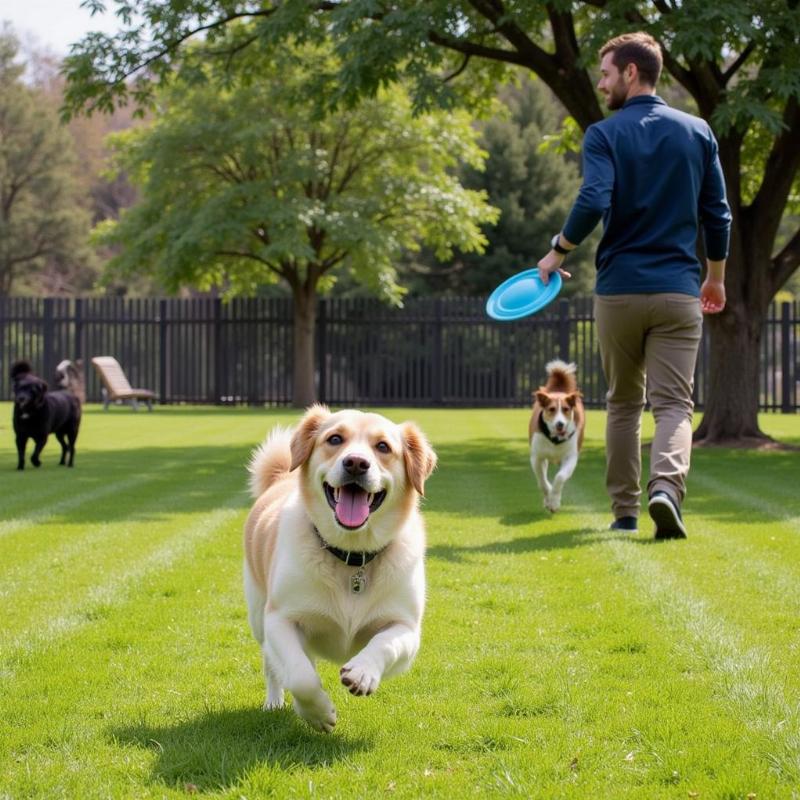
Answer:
x=358 y=581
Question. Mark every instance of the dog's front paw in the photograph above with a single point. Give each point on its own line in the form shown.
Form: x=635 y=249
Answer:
x=359 y=677
x=319 y=713
x=552 y=503
x=273 y=701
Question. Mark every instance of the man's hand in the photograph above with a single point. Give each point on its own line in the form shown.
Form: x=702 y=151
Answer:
x=712 y=296
x=551 y=263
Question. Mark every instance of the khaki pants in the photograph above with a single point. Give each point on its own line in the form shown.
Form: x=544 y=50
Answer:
x=648 y=345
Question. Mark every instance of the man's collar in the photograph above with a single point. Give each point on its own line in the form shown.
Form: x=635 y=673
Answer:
x=641 y=99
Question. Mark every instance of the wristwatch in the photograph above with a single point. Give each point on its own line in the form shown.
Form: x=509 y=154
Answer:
x=554 y=243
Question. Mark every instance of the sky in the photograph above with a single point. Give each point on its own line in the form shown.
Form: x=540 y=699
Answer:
x=53 y=24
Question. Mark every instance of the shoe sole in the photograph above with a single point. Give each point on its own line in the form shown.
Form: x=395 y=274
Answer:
x=668 y=523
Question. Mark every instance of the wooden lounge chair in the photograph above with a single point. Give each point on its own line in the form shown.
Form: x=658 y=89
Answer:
x=116 y=387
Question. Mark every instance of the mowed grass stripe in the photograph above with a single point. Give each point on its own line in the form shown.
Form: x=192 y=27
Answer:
x=37 y=514
x=747 y=677
x=591 y=595
x=86 y=550
x=112 y=591
x=141 y=496
x=770 y=504
x=751 y=563
x=159 y=656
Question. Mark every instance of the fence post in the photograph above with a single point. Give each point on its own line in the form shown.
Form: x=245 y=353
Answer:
x=321 y=347
x=786 y=359
x=47 y=337
x=563 y=329
x=79 y=330
x=162 y=349
x=438 y=353
x=218 y=360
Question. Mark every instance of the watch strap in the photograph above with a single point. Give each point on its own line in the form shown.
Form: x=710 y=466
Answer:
x=556 y=245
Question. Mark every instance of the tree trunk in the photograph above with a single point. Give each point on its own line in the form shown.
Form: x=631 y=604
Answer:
x=731 y=415
x=305 y=316
x=732 y=399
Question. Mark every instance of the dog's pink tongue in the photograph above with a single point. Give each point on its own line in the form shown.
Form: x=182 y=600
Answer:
x=352 y=509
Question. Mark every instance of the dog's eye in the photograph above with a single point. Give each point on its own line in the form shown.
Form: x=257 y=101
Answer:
x=335 y=439
x=382 y=447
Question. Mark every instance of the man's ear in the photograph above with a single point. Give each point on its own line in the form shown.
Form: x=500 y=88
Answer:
x=420 y=459
x=303 y=437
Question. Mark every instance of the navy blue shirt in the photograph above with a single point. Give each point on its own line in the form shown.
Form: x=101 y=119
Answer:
x=653 y=174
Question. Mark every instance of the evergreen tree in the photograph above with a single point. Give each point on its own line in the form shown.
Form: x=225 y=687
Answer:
x=533 y=186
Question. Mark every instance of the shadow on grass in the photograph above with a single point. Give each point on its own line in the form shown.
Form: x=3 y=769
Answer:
x=217 y=749
x=493 y=478
x=562 y=540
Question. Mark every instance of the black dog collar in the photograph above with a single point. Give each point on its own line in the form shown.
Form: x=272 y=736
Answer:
x=547 y=435
x=349 y=557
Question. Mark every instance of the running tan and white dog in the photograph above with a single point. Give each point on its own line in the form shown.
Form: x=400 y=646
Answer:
x=556 y=430
x=334 y=550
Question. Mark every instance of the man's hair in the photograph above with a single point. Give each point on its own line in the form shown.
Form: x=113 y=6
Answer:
x=636 y=48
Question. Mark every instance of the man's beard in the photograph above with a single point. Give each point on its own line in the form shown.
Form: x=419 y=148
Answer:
x=616 y=95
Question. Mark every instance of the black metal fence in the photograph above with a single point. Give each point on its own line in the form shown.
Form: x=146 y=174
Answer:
x=431 y=352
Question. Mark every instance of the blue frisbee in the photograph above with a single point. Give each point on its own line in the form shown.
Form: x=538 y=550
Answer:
x=522 y=294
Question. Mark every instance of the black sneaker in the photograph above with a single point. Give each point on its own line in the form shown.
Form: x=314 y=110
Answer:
x=628 y=524
x=667 y=517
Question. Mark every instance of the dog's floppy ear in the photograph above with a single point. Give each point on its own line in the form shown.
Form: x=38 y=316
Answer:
x=541 y=397
x=419 y=456
x=572 y=398
x=20 y=368
x=303 y=436
x=40 y=390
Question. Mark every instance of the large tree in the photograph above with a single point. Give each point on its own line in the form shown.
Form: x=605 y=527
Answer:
x=43 y=229
x=739 y=61
x=245 y=182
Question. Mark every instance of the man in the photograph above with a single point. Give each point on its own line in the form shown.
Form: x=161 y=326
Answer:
x=653 y=174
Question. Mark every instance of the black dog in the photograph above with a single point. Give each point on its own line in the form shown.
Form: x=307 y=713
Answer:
x=38 y=413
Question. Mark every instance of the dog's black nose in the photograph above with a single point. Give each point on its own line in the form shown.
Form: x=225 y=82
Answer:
x=356 y=464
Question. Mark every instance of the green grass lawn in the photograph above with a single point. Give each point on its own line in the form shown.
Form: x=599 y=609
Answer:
x=558 y=659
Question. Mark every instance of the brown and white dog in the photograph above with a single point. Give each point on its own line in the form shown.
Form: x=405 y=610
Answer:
x=556 y=430
x=334 y=548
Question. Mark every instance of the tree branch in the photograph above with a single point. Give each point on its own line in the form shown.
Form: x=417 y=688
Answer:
x=472 y=49
x=737 y=64
x=787 y=261
x=269 y=265
x=780 y=170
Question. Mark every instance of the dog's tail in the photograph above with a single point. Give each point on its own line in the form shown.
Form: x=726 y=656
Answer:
x=20 y=367
x=270 y=460
x=561 y=376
